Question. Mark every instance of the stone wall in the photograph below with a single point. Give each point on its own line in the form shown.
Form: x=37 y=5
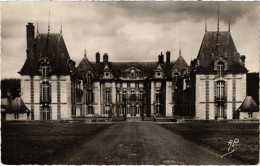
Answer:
x=235 y=88
x=60 y=96
x=168 y=99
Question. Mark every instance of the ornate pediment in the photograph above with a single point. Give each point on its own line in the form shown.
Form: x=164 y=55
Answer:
x=107 y=73
x=132 y=73
x=159 y=72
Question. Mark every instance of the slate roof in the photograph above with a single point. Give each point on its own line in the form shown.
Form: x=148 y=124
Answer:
x=17 y=106
x=180 y=64
x=217 y=44
x=52 y=46
x=248 y=105
x=116 y=67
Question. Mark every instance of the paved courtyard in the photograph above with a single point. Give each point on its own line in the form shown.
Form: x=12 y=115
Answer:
x=141 y=143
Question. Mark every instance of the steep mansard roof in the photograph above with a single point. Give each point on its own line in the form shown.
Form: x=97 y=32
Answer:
x=53 y=47
x=248 y=105
x=217 y=44
x=180 y=64
x=117 y=67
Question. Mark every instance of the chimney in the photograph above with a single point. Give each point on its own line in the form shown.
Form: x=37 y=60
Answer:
x=168 y=59
x=105 y=58
x=243 y=57
x=160 y=58
x=97 y=57
x=29 y=36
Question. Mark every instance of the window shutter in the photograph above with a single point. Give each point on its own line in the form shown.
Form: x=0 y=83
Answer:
x=41 y=113
x=49 y=92
x=41 y=92
x=50 y=113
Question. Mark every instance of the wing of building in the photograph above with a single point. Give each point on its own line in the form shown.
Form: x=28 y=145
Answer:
x=49 y=78
x=217 y=79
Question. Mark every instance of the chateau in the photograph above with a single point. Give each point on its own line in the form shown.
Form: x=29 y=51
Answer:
x=213 y=86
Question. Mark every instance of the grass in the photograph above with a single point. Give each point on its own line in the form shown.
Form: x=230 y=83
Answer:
x=42 y=143
x=218 y=134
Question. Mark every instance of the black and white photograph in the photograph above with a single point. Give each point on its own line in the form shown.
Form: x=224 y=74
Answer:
x=129 y=83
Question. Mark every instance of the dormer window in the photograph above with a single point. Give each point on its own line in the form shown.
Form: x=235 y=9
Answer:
x=158 y=74
x=45 y=67
x=106 y=74
x=89 y=79
x=175 y=77
x=45 y=71
x=220 y=69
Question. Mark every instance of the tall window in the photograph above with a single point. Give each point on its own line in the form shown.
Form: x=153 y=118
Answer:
x=221 y=111
x=107 y=96
x=220 y=69
x=46 y=113
x=124 y=95
x=157 y=95
x=44 y=71
x=133 y=96
x=45 y=91
x=89 y=77
x=175 y=77
x=141 y=95
x=220 y=90
x=250 y=114
x=89 y=96
x=107 y=110
x=90 y=110
x=118 y=96
x=157 y=110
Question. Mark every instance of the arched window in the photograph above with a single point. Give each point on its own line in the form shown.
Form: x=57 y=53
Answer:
x=133 y=96
x=107 y=96
x=89 y=96
x=89 y=79
x=158 y=95
x=175 y=77
x=220 y=69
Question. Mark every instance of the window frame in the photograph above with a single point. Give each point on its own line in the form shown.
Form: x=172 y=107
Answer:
x=220 y=69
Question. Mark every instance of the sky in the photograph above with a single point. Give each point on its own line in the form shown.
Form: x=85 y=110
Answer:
x=127 y=31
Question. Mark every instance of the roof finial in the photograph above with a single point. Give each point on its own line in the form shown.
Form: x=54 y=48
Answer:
x=180 y=51
x=37 y=28
x=228 y=25
x=205 y=25
x=218 y=16
x=85 y=53
x=49 y=18
x=61 y=28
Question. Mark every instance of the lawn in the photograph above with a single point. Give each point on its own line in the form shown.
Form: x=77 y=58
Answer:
x=43 y=143
x=217 y=135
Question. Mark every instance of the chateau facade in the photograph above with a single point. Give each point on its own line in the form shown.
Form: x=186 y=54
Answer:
x=213 y=86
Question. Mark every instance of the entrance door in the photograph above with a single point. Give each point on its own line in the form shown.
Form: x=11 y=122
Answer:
x=221 y=112
x=133 y=111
